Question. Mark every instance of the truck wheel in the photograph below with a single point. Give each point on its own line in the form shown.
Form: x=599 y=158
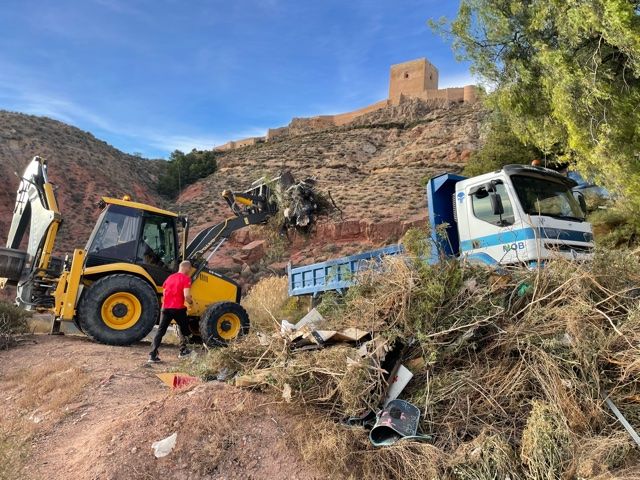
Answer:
x=118 y=309
x=223 y=322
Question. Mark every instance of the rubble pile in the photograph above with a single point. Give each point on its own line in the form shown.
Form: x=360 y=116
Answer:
x=513 y=372
x=301 y=203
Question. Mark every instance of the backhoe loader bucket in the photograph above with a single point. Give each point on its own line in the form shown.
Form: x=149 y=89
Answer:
x=11 y=264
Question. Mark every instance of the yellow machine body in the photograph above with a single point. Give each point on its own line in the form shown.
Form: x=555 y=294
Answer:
x=112 y=289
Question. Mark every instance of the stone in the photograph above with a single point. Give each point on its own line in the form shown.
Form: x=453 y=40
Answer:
x=253 y=252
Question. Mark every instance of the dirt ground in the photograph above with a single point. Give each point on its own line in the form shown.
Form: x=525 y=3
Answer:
x=91 y=411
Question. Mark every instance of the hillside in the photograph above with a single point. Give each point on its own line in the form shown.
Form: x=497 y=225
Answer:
x=82 y=167
x=374 y=168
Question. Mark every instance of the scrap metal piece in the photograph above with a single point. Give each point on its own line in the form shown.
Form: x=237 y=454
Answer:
x=621 y=418
x=397 y=420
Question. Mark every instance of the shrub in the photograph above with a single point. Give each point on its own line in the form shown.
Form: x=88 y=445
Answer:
x=13 y=321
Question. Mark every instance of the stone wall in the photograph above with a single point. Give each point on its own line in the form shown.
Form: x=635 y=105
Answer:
x=345 y=118
x=275 y=133
x=301 y=126
x=413 y=79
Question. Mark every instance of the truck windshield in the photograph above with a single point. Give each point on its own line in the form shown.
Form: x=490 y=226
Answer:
x=549 y=198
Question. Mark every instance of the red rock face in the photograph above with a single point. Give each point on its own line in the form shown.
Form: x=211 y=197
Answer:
x=81 y=167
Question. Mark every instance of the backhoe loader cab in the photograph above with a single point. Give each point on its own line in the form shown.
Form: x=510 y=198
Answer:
x=137 y=234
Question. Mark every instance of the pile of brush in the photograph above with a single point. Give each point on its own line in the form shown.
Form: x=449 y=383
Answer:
x=510 y=370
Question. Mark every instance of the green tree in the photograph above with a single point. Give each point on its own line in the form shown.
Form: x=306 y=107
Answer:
x=184 y=169
x=565 y=76
x=500 y=147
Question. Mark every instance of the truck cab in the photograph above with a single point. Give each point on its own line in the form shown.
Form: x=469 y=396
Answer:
x=519 y=214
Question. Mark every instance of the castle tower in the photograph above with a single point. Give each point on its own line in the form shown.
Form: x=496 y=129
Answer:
x=412 y=79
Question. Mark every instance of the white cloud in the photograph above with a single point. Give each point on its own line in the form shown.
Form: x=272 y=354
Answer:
x=458 y=80
x=186 y=142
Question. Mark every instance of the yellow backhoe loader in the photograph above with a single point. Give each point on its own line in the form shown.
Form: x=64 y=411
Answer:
x=112 y=288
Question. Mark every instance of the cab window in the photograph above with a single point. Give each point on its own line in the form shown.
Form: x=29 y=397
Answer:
x=157 y=246
x=481 y=204
x=116 y=234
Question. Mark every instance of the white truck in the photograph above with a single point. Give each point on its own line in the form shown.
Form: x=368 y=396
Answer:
x=517 y=215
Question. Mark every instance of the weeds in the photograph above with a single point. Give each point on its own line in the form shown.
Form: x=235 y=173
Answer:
x=13 y=321
x=508 y=369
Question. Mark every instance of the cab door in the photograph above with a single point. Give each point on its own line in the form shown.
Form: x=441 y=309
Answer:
x=157 y=248
x=491 y=237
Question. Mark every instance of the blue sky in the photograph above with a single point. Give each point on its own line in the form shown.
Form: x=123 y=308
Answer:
x=151 y=76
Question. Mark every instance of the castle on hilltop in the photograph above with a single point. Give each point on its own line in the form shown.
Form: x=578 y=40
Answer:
x=413 y=79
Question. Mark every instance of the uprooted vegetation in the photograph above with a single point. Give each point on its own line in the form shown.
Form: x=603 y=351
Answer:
x=510 y=370
x=13 y=322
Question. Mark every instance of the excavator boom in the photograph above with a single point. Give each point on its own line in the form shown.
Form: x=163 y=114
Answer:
x=36 y=210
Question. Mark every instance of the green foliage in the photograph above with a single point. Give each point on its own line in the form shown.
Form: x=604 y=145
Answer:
x=500 y=147
x=566 y=76
x=615 y=227
x=184 y=169
x=416 y=242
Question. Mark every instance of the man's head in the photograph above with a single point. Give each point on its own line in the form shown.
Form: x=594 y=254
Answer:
x=185 y=267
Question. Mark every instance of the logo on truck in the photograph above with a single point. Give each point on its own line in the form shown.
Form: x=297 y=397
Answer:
x=508 y=247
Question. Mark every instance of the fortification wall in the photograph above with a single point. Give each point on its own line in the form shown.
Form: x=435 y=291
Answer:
x=225 y=147
x=245 y=142
x=345 y=118
x=275 y=133
x=413 y=79
x=300 y=126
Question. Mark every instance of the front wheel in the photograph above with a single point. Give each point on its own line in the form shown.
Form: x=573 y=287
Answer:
x=222 y=323
x=118 y=309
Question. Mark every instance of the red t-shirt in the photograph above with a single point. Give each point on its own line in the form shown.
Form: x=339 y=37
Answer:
x=174 y=286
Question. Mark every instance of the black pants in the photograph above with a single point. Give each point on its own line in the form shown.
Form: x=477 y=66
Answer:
x=168 y=314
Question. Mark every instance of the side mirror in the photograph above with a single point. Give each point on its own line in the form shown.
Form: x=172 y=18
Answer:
x=496 y=203
x=581 y=201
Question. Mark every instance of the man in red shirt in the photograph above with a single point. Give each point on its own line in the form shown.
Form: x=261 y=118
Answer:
x=177 y=291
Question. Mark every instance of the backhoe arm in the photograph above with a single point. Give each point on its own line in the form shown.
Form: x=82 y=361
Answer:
x=36 y=208
x=252 y=207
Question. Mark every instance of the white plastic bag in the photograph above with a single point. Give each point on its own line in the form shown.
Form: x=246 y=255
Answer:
x=163 y=447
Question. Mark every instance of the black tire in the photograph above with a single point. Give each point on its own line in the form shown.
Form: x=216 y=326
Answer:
x=218 y=324
x=94 y=298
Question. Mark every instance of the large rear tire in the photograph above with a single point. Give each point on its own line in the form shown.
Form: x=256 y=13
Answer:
x=222 y=323
x=118 y=309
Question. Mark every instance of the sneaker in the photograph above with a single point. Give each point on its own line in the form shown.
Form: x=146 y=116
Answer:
x=153 y=358
x=185 y=352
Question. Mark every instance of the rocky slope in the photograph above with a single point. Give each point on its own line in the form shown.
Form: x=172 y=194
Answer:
x=81 y=167
x=374 y=168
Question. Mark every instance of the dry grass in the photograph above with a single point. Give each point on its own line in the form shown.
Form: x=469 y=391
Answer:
x=510 y=371
x=13 y=322
x=40 y=395
x=268 y=302
x=49 y=387
x=344 y=452
x=13 y=450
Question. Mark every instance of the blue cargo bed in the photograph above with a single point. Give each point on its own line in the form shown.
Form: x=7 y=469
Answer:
x=337 y=274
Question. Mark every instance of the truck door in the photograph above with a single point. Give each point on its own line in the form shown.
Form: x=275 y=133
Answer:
x=490 y=237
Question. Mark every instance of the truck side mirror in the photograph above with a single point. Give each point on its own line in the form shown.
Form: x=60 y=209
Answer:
x=496 y=203
x=581 y=201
